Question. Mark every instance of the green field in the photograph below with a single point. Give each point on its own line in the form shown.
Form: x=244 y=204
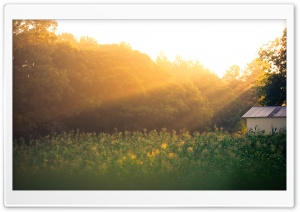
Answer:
x=154 y=160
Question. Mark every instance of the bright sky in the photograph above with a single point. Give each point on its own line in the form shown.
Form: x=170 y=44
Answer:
x=217 y=44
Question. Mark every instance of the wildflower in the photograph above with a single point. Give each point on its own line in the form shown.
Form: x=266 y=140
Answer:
x=164 y=146
x=188 y=136
x=153 y=153
x=172 y=155
x=132 y=156
x=94 y=148
x=190 y=149
x=221 y=137
x=181 y=143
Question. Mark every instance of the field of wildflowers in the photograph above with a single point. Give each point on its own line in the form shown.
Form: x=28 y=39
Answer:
x=154 y=160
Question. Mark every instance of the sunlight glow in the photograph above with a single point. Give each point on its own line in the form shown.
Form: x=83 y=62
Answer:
x=217 y=44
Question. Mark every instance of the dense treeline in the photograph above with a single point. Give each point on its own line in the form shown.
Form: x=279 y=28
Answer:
x=62 y=83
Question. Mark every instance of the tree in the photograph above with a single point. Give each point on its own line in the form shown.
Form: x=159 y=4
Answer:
x=27 y=32
x=86 y=42
x=37 y=85
x=271 y=89
x=254 y=70
x=233 y=73
x=68 y=37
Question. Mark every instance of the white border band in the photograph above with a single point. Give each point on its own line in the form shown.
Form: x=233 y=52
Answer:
x=148 y=11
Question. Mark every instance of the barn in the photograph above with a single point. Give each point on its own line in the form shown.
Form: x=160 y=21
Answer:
x=266 y=119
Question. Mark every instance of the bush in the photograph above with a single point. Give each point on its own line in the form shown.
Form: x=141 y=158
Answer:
x=151 y=160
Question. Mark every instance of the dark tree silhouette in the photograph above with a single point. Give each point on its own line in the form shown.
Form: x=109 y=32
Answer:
x=272 y=87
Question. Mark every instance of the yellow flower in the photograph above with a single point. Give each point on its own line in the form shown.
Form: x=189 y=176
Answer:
x=190 y=149
x=132 y=156
x=94 y=148
x=164 y=145
x=187 y=135
x=181 y=143
x=172 y=155
x=153 y=153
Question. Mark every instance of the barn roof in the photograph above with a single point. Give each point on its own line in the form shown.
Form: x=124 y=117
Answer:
x=267 y=112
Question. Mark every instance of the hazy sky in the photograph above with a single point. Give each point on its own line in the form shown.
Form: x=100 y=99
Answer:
x=217 y=44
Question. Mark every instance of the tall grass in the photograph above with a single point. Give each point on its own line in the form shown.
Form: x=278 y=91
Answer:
x=155 y=160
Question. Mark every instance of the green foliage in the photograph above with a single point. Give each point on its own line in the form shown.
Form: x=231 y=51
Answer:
x=38 y=86
x=271 y=89
x=61 y=83
x=151 y=160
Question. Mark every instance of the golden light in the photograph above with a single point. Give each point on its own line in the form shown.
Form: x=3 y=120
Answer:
x=217 y=44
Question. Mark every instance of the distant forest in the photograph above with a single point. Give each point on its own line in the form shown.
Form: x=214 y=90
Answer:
x=62 y=83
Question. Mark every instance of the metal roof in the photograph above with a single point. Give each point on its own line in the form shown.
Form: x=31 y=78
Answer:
x=270 y=111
